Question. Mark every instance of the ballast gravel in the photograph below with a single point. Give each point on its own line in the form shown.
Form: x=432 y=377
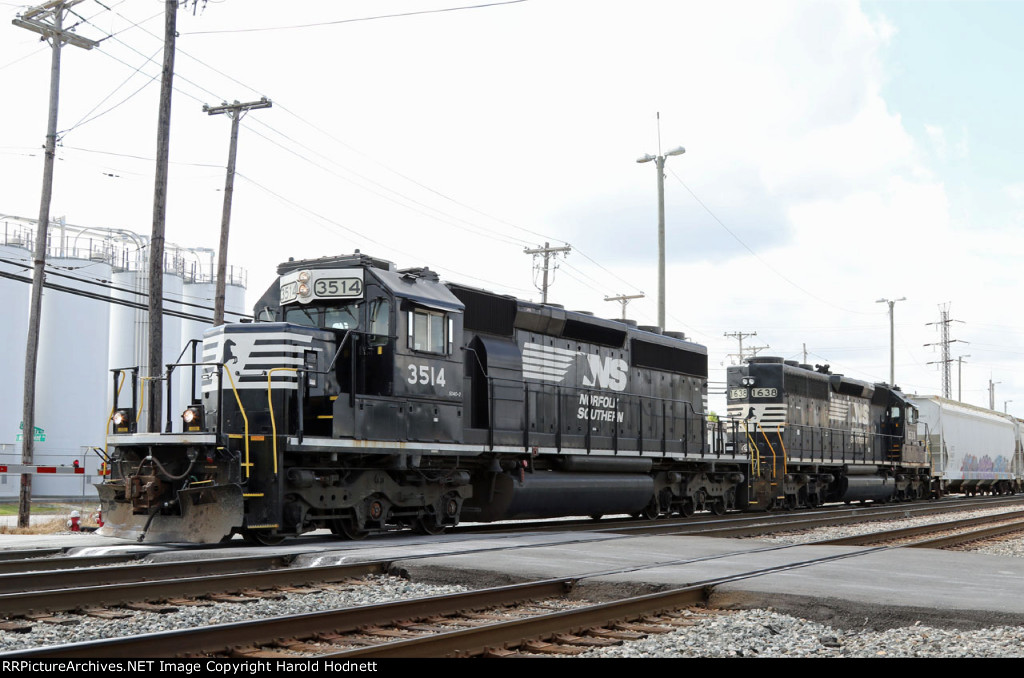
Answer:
x=79 y=627
x=763 y=633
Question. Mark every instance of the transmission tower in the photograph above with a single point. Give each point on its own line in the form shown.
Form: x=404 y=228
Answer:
x=944 y=342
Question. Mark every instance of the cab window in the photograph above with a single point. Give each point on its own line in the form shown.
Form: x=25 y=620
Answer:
x=429 y=331
x=342 y=318
x=379 y=320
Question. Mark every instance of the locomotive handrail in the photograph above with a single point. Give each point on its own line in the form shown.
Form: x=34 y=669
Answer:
x=785 y=455
x=193 y=343
x=755 y=451
x=117 y=391
x=270 y=404
x=220 y=409
x=135 y=383
x=636 y=400
x=770 y=447
x=245 y=419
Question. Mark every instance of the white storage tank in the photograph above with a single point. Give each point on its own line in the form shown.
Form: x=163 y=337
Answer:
x=13 y=336
x=972 y=448
x=203 y=294
x=71 y=374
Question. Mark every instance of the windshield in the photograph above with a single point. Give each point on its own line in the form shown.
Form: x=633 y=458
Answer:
x=345 y=317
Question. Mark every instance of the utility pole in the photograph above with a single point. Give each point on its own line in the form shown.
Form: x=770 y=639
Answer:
x=234 y=111
x=156 y=240
x=625 y=299
x=892 y=338
x=48 y=21
x=945 y=342
x=992 y=393
x=751 y=349
x=546 y=252
x=960 y=377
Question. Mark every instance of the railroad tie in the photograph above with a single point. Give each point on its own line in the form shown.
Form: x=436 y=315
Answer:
x=540 y=647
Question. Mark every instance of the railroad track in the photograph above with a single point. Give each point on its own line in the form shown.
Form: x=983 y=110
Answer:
x=459 y=621
x=531 y=618
x=47 y=585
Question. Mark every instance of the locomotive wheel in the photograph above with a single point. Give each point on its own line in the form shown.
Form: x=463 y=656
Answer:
x=345 y=527
x=651 y=512
x=427 y=525
x=261 y=538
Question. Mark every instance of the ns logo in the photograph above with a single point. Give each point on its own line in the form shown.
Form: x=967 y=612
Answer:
x=606 y=373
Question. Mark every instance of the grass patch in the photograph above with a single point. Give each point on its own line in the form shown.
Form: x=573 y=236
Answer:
x=37 y=508
x=58 y=523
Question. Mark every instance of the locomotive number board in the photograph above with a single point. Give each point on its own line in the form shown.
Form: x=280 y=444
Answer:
x=305 y=286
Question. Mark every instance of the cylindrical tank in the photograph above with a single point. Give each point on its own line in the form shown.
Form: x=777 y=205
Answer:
x=13 y=335
x=234 y=304
x=203 y=294
x=73 y=349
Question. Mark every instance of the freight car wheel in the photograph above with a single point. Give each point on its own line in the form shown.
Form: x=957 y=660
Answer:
x=717 y=506
x=687 y=509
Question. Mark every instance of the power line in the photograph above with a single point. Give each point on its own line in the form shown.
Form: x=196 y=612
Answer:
x=348 y=21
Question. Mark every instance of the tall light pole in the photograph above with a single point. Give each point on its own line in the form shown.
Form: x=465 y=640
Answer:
x=659 y=161
x=892 y=338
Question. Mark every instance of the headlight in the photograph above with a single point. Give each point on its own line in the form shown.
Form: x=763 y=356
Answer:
x=123 y=421
x=192 y=418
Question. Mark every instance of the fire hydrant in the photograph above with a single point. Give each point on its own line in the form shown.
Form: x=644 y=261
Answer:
x=73 y=521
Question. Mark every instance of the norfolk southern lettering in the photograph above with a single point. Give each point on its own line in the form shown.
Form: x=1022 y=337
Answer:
x=601 y=408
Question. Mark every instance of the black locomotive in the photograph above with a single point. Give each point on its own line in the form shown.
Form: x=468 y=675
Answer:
x=816 y=437
x=366 y=398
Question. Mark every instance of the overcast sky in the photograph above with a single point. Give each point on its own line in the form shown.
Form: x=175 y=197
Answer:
x=837 y=152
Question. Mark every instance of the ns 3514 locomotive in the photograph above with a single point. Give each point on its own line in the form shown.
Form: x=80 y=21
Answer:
x=366 y=398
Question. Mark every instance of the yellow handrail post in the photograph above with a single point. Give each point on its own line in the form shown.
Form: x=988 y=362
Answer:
x=270 y=402
x=245 y=421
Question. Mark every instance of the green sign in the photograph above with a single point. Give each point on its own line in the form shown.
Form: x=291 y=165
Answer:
x=38 y=434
